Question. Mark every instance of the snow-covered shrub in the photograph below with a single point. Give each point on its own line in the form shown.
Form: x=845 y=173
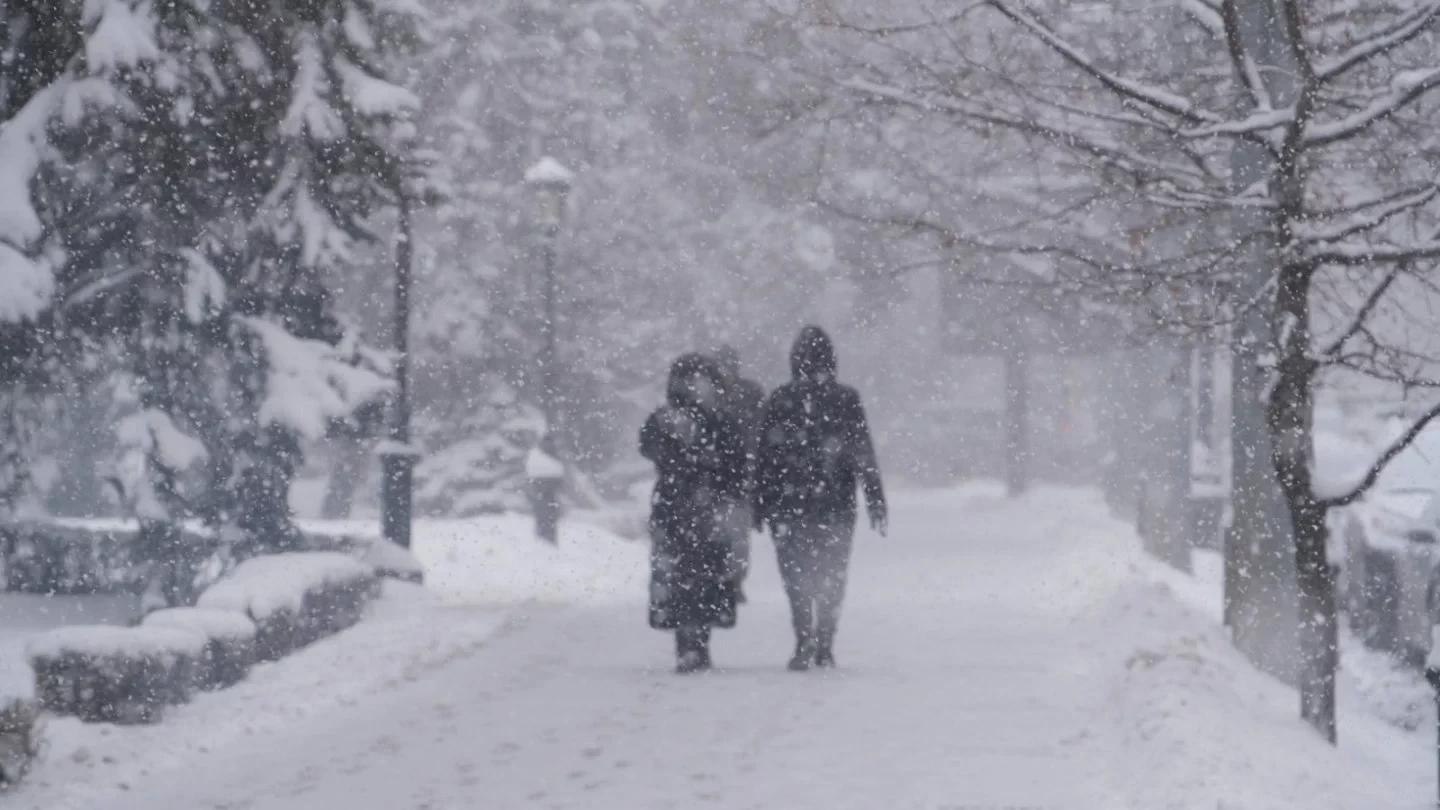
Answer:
x=229 y=647
x=58 y=558
x=295 y=598
x=19 y=739
x=387 y=559
x=104 y=674
x=392 y=561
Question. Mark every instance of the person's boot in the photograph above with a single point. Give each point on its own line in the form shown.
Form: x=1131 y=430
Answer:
x=804 y=656
x=692 y=653
x=824 y=655
x=825 y=648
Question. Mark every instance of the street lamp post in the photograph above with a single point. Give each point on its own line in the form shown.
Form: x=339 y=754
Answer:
x=397 y=457
x=551 y=183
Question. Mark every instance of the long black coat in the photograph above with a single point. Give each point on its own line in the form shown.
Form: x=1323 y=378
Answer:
x=699 y=460
x=815 y=416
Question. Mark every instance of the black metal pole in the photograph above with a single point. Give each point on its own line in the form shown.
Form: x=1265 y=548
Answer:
x=547 y=490
x=548 y=371
x=397 y=465
x=1017 y=419
x=1432 y=674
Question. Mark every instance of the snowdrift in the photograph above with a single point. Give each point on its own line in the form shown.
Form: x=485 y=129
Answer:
x=498 y=560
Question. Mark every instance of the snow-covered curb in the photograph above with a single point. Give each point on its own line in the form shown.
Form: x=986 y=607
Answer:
x=406 y=634
x=1183 y=702
x=266 y=608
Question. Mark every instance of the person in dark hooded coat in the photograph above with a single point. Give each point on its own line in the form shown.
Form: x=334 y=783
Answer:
x=699 y=460
x=743 y=400
x=815 y=449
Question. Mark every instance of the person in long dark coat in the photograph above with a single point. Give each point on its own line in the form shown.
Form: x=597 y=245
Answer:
x=699 y=458
x=743 y=400
x=815 y=449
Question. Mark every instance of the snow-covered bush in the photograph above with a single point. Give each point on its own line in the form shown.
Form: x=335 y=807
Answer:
x=104 y=674
x=391 y=561
x=295 y=598
x=229 y=642
x=19 y=739
x=384 y=557
x=56 y=558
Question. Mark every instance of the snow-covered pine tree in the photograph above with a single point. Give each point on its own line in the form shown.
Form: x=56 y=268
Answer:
x=483 y=470
x=266 y=140
x=59 y=62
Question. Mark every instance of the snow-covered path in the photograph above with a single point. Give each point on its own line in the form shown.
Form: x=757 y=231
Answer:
x=993 y=656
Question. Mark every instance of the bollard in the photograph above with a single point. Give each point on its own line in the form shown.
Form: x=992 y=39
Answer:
x=1432 y=675
x=547 y=509
x=547 y=479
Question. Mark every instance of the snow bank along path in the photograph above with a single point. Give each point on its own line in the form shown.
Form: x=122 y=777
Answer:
x=993 y=655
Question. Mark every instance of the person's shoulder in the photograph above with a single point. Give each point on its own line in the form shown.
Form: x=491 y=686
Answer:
x=784 y=392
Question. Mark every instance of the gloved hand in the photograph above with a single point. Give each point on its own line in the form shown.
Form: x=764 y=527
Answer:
x=678 y=425
x=879 y=518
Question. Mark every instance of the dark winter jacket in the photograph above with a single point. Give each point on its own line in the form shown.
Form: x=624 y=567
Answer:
x=815 y=443
x=744 y=403
x=699 y=460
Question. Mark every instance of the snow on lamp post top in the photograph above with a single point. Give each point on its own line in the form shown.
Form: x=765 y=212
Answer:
x=549 y=173
x=552 y=183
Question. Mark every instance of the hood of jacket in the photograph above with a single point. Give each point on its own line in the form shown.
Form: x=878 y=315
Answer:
x=681 y=392
x=813 y=355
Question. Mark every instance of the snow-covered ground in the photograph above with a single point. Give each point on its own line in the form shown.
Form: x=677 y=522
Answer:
x=994 y=654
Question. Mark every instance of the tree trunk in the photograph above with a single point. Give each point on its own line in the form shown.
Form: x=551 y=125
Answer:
x=1017 y=421
x=1260 y=588
x=1291 y=420
x=1319 y=621
x=348 y=461
x=1167 y=467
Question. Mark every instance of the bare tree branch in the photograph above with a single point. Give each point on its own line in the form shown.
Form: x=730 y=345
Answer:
x=1128 y=90
x=1073 y=140
x=1295 y=38
x=836 y=20
x=1356 y=255
x=1362 y=315
x=1373 y=474
x=1405 y=88
x=1207 y=14
x=1380 y=42
x=1376 y=216
x=1240 y=62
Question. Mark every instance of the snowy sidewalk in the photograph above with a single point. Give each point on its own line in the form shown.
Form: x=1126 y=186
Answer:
x=993 y=655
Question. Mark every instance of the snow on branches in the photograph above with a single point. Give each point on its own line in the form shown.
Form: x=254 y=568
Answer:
x=311 y=383
x=57 y=90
